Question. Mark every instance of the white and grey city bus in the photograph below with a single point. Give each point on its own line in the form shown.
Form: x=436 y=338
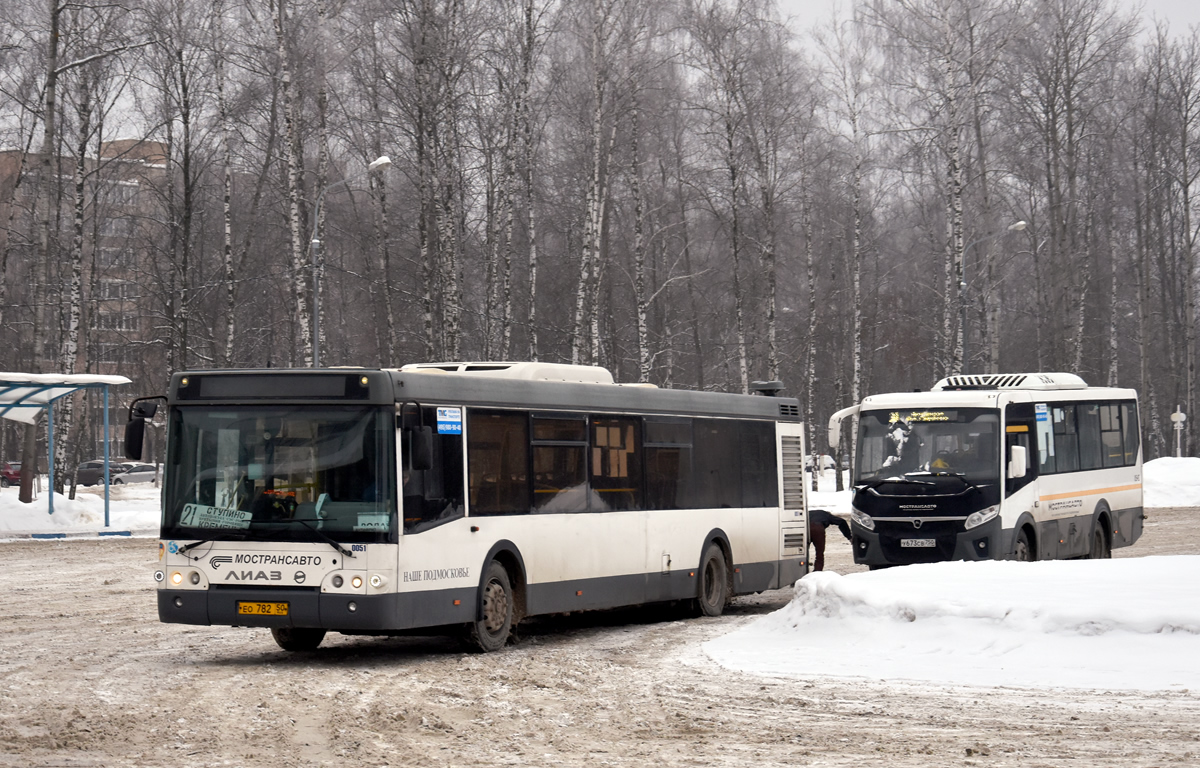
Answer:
x=1014 y=466
x=369 y=501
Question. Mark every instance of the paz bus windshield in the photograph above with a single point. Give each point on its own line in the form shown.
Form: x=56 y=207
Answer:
x=895 y=443
x=283 y=473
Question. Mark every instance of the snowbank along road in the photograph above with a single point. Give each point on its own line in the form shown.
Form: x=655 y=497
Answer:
x=88 y=677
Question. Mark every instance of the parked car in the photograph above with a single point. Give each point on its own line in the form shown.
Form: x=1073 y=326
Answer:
x=10 y=473
x=138 y=473
x=92 y=472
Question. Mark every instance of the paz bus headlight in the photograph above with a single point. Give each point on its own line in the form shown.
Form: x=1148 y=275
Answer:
x=862 y=519
x=976 y=519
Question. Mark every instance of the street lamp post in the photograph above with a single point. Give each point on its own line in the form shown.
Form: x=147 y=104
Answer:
x=962 y=291
x=314 y=244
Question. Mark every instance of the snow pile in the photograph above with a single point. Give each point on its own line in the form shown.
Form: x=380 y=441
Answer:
x=1171 y=482
x=131 y=508
x=1104 y=624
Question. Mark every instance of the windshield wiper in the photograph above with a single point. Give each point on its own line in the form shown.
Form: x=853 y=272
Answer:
x=326 y=537
x=959 y=475
x=903 y=480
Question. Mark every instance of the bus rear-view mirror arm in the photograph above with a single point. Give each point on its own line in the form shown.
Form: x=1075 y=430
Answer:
x=835 y=425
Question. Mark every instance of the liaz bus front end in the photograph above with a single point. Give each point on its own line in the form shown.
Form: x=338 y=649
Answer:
x=279 y=502
x=927 y=483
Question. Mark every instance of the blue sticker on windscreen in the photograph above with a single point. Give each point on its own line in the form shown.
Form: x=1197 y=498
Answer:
x=449 y=421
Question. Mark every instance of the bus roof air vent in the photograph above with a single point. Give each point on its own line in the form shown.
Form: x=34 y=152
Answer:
x=1040 y=381
x=579 y=374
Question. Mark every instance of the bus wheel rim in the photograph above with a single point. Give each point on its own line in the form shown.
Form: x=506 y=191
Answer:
x=495 y=607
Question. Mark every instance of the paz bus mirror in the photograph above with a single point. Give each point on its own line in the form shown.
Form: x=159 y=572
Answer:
x=1016 y=462
x=420 y=448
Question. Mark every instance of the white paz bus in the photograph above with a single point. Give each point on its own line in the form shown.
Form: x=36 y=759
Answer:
x=469 y=496
x=1011 y=466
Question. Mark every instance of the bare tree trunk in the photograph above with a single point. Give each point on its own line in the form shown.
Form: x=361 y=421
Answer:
x=69 y=355
x=322 y=178
x=41 y=269
x=227 y=128
x=810 y=374
x=301 y=273
x=645 y=359
x=732 y=169
x=527 y=48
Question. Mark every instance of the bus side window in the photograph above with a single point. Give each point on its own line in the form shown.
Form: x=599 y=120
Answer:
x=1066 y=439
x=498 y=462
x=433 y=496
x=1129 y=427
x=1110 y=435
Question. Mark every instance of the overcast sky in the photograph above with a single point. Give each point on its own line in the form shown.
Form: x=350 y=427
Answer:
x=1181 y=14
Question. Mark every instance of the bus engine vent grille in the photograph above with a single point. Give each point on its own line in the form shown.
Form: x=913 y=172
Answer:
x=793 y=541
x=793 y=472
x=1005 y=381
x=789 y=411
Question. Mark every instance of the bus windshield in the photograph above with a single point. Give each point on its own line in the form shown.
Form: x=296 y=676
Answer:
x=895 y=443
x=280 y=473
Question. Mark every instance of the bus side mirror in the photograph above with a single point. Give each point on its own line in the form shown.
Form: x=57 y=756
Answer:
x=1016 y=462
x=140 y=411
x=420 y=447
x=135 y=433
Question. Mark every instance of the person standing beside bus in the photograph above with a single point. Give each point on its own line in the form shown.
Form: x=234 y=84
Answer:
x=818 y=521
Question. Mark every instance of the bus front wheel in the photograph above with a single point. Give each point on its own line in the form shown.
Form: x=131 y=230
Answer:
x=714 y=583
x=1023 y=552
x=297 y=638
x=490 y=632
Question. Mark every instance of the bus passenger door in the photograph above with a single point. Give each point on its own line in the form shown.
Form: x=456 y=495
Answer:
x=1021 y=493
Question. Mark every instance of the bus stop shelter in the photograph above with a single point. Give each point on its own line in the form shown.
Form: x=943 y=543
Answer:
x=23 y=397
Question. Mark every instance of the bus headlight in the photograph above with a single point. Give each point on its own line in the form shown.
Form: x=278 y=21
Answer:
x=377 y=580
x=976 y=519
x=864 y=520
x=356 y=582
x=176 y=578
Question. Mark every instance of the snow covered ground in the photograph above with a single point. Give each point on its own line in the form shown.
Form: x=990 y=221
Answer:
x=1124 y=624
x=131 y=508
x=1131 y=623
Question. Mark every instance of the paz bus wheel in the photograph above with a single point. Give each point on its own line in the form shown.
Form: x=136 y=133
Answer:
x=1023 y=551
x=713 y=589
x=1100 y=549
x=490 y=632
x=297 y=638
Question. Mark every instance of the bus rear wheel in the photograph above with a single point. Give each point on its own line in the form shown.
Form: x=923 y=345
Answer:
x=490 y=632
x=297 y=638
x=1100 y=549
x=713 y=589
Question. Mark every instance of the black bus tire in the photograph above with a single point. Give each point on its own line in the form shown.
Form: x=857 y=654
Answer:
x=491 y=631
x=713 y=588
x=297 y=638
x=1100 y=549
x=1023 y=551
